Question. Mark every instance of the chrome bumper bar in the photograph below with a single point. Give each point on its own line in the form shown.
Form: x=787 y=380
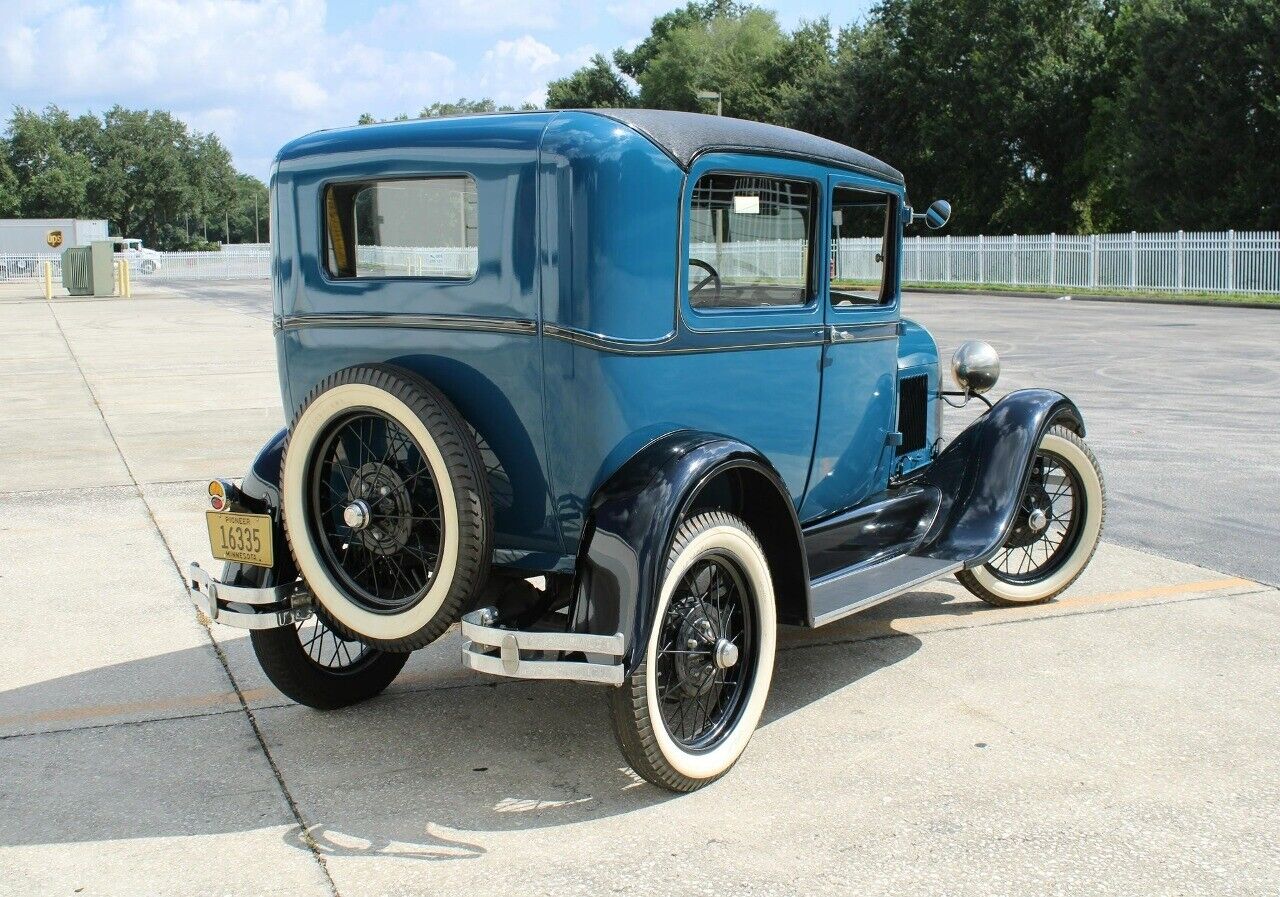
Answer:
x=539 y=655
x=247 y=608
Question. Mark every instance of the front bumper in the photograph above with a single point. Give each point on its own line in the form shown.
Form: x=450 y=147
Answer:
x=244 y=607
x=524 y=654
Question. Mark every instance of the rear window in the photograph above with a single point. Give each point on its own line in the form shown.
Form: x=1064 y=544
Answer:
x=420 y=227
x=750 y=241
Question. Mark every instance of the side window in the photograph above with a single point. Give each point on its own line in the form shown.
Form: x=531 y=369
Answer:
x=750 y=241
x=860 y=246
x=424 y=227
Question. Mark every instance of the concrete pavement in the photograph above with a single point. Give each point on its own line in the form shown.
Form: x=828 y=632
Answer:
x=1121 y=740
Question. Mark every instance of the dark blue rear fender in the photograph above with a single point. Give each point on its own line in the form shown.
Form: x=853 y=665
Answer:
x=633 y=521
x=260 y=491
x=982 y=472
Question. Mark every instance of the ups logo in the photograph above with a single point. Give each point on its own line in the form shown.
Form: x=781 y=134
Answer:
x=54 y=238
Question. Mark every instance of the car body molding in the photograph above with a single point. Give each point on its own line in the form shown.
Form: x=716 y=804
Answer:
x=981 y=473
x=632 y=523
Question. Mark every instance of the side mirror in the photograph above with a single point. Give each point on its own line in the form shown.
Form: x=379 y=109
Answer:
x=938 y=214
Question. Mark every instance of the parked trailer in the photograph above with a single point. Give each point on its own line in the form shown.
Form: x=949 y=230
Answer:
x=26 y=242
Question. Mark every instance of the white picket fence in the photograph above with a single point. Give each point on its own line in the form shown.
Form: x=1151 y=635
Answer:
x=1182 y=262
x=1225 y=262
x=232 y=263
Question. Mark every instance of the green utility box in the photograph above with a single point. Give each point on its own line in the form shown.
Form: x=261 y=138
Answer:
x=90 y=270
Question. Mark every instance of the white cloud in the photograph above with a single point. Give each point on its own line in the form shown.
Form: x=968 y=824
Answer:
x=260 y=72
x=524 y=52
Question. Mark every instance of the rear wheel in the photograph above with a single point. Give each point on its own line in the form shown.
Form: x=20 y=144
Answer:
x=684 y=717
x=385 y=507
x=314 y=665
x=1056 y=532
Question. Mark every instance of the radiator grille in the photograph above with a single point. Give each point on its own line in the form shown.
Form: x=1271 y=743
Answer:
x=913 y=401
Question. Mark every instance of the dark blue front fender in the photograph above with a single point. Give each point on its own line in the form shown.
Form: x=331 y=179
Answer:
x=982 y=472
x=633 y=520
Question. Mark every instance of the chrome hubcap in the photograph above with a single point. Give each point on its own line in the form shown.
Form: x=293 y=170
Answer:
x=725 y=654
x=357 y=514
x=1037 y=520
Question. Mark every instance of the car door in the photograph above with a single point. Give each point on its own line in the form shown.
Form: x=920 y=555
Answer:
x=747 y=359
x=853 y=452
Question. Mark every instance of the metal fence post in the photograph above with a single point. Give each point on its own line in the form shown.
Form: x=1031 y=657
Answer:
x=1231 y=261
x=1093 y=260
x=948 y=258
x=919 y=254
x=1014 y=255
x=1133 y=259
x=1180 y=280
x=1053 y=259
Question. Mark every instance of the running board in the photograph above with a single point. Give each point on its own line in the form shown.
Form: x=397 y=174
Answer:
x=855 y=589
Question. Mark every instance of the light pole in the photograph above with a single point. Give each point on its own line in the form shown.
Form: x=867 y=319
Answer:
x=713 y=95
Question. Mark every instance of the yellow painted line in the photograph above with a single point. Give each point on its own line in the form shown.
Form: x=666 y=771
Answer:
x=1182 y=588
x=991 y=615
x=230 y=699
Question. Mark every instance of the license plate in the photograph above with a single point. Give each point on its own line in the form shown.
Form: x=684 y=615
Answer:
x=243 y=538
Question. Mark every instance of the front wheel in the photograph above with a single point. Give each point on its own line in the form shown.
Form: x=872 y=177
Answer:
x=312 y=664
x=685 y=715
x=1056 y=532
x=148 y=267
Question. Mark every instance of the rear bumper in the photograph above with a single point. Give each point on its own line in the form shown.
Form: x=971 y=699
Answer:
x=539 y=655
x=245 y=607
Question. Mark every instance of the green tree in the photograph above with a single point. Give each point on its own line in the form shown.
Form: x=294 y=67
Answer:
x=50 y=164
x=1190 y=138
x=597 y=85
x=635 y=62
x=987 y=102
x=738 y=55
x=144 y=171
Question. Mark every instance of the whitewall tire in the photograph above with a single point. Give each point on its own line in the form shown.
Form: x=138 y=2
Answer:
x=686 y=714
x=1059 y=526
x=385 y=506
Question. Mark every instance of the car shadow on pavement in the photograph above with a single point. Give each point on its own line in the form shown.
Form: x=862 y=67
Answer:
x=422 y=772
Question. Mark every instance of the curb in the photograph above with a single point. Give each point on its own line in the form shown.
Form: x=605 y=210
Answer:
x=1138 y=300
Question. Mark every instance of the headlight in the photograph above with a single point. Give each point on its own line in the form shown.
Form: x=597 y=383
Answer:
x=975 y=366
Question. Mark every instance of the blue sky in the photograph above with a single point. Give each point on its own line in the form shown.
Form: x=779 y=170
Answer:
x=259 y=72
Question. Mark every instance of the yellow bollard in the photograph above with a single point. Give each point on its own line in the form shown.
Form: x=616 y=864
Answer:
x=128 y=279
x=48 y=280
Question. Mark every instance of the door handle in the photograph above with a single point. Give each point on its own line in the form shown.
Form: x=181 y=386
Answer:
x=865 y=334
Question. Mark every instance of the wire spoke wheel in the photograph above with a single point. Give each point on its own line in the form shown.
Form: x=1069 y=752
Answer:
x=375 y=511
x=1055 y=531
x=1048 y=524
x=707 y=627
x=684 y=715
x=327 y=649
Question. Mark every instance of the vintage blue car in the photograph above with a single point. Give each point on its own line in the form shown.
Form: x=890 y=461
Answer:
x=621 y=391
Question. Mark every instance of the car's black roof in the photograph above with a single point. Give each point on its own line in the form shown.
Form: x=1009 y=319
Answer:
x=685 y=135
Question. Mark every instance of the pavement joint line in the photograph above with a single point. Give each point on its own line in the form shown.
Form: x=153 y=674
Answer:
x=22 y=493
x=221 y=655
x=1132 y=599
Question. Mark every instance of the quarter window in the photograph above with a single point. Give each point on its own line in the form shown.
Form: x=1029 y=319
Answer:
x=860 y=246
x=750 y=241
x=422 y=227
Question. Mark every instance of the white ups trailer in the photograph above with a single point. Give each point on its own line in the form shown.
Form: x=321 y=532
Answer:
x=35 y=236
